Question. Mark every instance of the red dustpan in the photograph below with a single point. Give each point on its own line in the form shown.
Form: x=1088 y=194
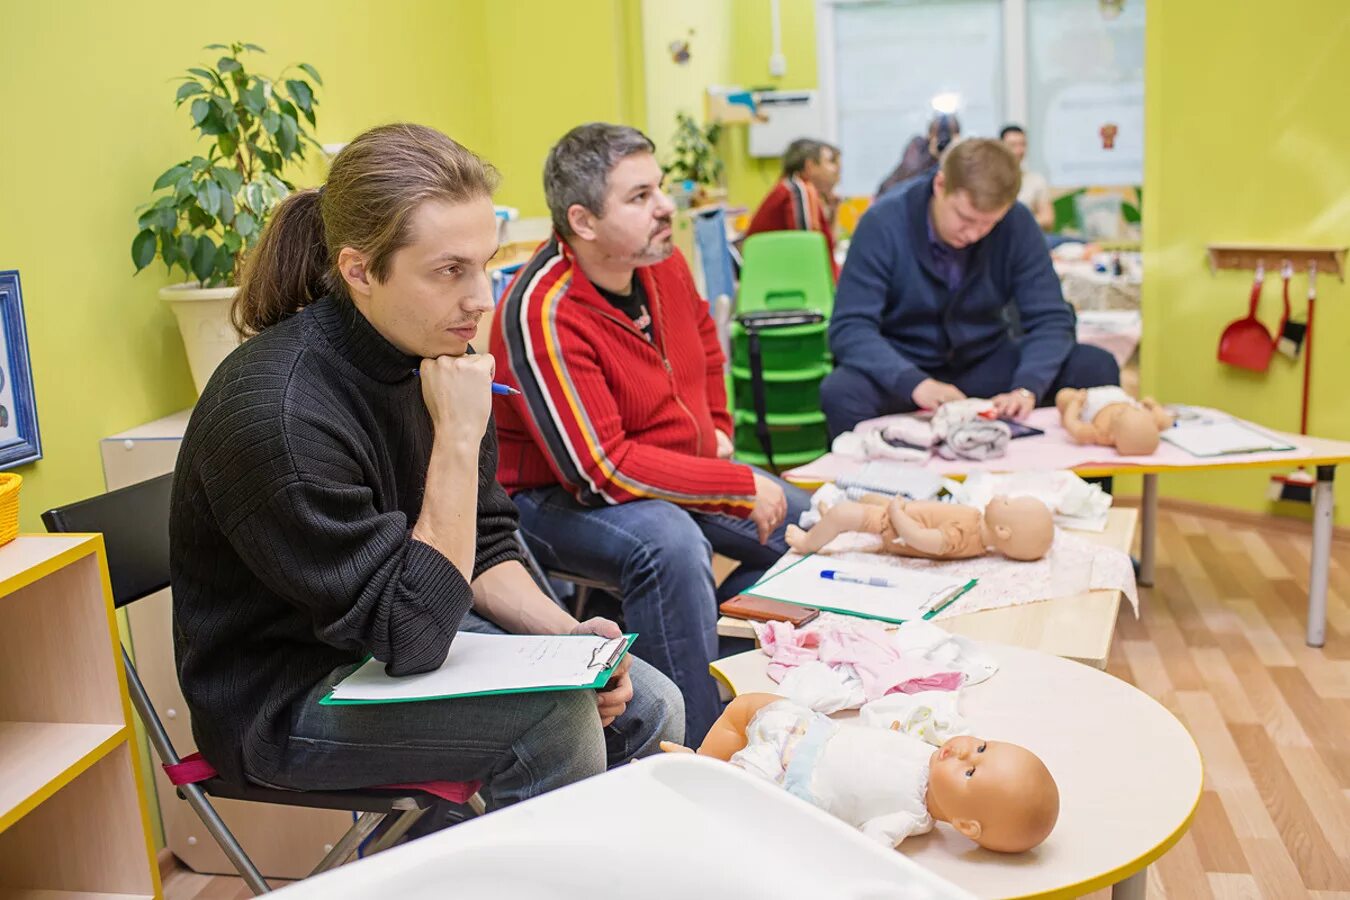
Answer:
x=1246 y=343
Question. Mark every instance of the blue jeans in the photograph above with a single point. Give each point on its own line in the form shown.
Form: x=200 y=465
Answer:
x=848 y=396
x=660 y=557
x=518 y=745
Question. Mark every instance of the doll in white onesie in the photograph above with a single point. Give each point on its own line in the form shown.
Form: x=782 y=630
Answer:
x=883 y=776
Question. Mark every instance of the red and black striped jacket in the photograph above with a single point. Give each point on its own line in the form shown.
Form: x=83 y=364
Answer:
x=794 y=204
x=608 y=414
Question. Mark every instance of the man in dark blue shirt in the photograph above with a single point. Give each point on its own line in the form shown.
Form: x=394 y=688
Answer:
x=948 y=292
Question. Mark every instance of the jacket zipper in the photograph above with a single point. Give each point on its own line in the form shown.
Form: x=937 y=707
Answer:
x=660 y=352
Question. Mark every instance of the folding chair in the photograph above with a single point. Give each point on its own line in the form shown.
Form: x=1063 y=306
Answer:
x=134 y=522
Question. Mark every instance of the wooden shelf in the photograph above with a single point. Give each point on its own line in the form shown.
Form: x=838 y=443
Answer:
x=72 y=820
x=1330 y=260
x=38 y=758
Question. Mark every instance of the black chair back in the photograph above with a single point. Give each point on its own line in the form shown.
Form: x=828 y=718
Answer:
x=134 y=521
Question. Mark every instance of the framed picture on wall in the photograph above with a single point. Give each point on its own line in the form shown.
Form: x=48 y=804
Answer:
x=19 y=440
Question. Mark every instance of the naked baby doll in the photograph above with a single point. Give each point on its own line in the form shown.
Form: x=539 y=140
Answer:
x=888 y=783
x=1021 y=528
x=1112 y=418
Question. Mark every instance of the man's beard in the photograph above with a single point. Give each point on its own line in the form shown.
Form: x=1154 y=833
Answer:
x=657 y=250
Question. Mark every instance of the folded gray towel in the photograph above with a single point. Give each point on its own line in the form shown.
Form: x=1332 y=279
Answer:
x=976 y=439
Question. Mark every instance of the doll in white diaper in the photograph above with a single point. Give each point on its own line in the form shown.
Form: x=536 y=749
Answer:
x=886 y=781
x=1110 y=417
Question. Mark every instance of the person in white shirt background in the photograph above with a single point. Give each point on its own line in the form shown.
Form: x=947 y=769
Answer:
x=1035 y=192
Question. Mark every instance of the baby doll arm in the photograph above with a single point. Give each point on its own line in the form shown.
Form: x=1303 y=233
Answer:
x=1161 y=417
x=1071 y=417
x=933 y=541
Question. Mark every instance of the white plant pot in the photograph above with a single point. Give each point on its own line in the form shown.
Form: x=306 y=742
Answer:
x=204 y=320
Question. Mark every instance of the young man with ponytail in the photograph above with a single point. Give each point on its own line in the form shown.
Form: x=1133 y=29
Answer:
x=335 y=497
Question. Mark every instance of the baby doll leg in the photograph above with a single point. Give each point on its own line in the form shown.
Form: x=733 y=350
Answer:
x=1161 y=417
x=726 y=737
x=842 y=517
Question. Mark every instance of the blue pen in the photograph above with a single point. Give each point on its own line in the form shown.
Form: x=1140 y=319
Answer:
x=501 y=390
x=869 y=580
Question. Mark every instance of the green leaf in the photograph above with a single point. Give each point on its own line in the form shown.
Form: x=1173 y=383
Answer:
x=216 y=47
x=169 y=177
x=199 y=163
x=312 y=73
x=225 y=64
x=300 y=93
x=245 y=224
x=271 y=121
x=255 y=99
x=204 y=257
x=255 y=48
x=287 y=138
x=226 y=206
x=309 y=114
x=254 y=198
x=168 y=249
x=212 y=125
x=187 y=89
x=229 y=178
x=224 y=263
x=143 y=249
x=186 y=245
x=201 y=108
x=203 y=73
x=232 y=240
x=158 y=217
x=200 y=218
x=227 y=144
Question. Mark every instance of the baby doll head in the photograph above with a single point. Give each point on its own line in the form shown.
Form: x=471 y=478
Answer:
x=1021 y=528
x=1134 y=433
x=999 y=795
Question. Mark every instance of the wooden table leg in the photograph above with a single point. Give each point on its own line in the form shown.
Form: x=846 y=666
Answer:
x=1148 y=515
x=1324 y=507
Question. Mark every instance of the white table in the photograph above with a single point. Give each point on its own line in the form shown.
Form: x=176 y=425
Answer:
x=1129 y=776
x=1079 y=627
x=673 y=826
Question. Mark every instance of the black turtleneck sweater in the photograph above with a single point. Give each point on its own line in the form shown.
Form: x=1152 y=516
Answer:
x=298 y=483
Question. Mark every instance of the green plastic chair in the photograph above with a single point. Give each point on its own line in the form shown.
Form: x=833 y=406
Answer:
x=785 y=270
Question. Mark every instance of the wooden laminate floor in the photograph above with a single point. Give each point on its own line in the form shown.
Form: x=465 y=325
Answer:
x=1220 y=644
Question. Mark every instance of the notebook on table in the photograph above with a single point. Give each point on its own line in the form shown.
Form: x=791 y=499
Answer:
x=896 y=595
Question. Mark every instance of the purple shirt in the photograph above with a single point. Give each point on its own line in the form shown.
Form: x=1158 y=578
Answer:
x=949 y=261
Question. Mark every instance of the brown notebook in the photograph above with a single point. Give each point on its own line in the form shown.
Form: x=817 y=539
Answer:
x=762 y=609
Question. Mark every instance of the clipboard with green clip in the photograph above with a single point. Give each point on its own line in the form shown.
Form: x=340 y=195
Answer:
x=484 y=665
x=801 y=583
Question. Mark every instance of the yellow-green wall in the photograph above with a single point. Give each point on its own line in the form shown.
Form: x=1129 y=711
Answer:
x=1247 y=150
x=550 y=72
x=86 y=92
x=749 y=178
x=673 y=87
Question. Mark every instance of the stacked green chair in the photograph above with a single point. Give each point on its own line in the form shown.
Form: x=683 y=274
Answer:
x=783 y=270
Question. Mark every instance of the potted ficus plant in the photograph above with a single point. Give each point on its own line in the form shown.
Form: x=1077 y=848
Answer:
x=214 y=206
x=694 y=168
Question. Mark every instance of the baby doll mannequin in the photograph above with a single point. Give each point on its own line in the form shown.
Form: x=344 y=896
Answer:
x=1020 y=528
x=1112 y=418
x=888 y=783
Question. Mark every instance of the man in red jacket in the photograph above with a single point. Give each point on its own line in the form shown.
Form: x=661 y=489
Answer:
x=804 y=198
x=617 y=450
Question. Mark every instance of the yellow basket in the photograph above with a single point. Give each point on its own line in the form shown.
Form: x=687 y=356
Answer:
x=9 y=506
